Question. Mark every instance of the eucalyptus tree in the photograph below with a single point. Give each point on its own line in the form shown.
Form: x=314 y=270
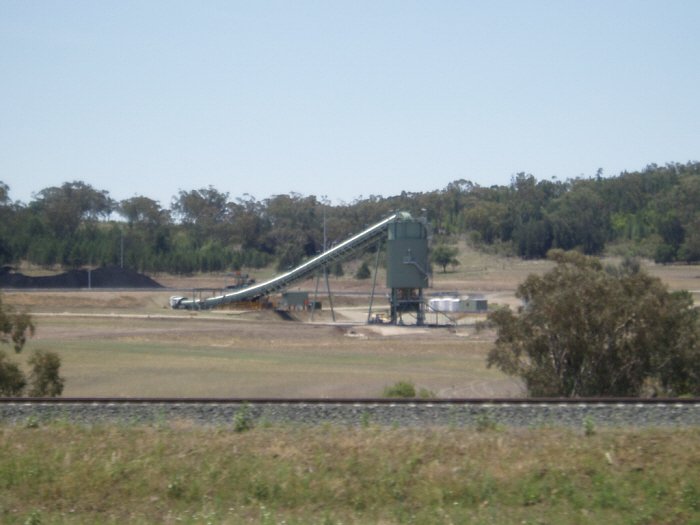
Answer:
x=140 y=210
x=444 y=255
x=580 y=219
x=6 y=216
x=585 y=330
x=249 y=222
x=44 y=379
x=296 y=230
x=4 y=194
x=63 y=208
x=205 y=208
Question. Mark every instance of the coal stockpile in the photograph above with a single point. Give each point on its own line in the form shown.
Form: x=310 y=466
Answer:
x=105 y=277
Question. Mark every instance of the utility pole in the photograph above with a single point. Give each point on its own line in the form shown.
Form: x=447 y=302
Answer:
x=325 y=266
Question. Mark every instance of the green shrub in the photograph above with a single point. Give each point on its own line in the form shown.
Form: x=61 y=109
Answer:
x=363 y=272
x=44 y=378
x=400 y=389
x=589 y=426
x=12 y=380
x=242 y=420
x=424 y=393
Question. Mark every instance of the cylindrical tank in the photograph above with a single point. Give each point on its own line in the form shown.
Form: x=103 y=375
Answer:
x=407 y=254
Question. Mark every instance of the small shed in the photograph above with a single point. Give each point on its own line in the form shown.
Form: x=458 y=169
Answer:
x=294 y=301
x=454 y=304
x=475 y=304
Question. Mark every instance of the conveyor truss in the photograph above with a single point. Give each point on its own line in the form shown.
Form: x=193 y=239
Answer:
x=303 y=271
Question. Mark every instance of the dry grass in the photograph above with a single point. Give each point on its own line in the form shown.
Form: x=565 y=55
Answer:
x=679 y=277
x=298 y=475
x=493 y=274
x=257 y=355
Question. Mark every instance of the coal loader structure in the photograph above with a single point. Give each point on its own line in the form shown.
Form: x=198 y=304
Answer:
x=407 y=269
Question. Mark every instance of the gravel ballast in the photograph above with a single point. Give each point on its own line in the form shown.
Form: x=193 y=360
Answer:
x=458 y=414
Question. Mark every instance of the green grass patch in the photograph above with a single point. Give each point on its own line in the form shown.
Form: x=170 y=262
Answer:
x=61 y=473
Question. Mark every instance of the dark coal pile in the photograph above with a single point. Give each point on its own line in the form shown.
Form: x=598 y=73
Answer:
x=106 y=277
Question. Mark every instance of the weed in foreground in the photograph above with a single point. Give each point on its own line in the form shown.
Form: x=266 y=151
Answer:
x=589 y=426
x=486 y=422
x=243 y=420
x=365 y=419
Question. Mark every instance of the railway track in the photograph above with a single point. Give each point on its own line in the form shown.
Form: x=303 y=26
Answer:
x=515 y=412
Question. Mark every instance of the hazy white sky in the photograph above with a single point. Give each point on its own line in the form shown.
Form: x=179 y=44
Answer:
x=342 y=99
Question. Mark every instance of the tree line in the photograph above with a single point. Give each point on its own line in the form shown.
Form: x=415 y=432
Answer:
x=653 y=213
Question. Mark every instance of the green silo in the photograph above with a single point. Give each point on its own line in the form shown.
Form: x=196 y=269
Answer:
x=407 y=266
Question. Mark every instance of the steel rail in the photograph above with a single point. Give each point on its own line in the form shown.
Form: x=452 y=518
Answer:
x=356 y=401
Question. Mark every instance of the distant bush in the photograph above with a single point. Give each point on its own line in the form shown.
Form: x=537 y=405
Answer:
x=406 y=389
x=363 y=272
x=44 y=378
x=338 y=269
x=400 y=389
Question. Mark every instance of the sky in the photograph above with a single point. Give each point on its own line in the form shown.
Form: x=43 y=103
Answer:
x=341 y=100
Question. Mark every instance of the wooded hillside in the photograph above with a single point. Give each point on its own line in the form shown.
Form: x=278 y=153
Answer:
x=654 y=212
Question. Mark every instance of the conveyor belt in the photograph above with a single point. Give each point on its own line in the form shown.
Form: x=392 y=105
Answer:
x=301 y=272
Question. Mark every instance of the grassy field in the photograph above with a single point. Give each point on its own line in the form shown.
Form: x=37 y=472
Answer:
x=130 y=343
x=174 y=474
x=259 y=355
